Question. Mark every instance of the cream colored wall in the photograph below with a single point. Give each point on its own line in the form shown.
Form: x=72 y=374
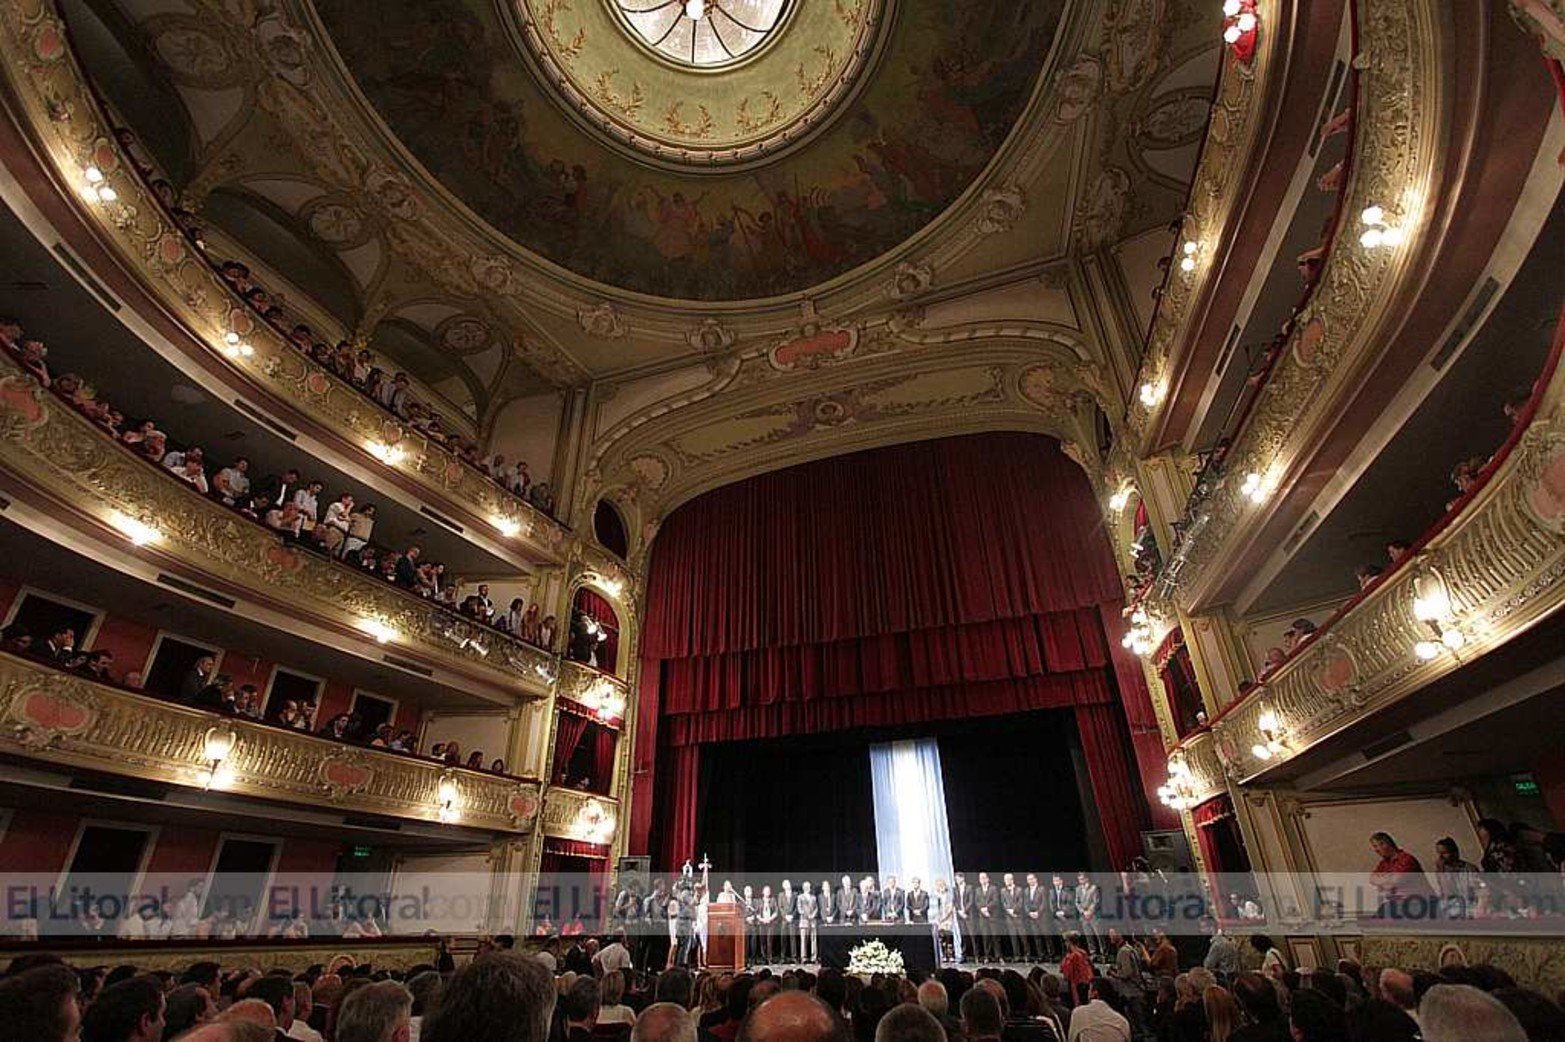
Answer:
x=453 y=891
x=527 y=430
x=1337 y=834
x=486 y=731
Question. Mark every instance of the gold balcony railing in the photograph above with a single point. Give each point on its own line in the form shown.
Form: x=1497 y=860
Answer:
x=49 y=445
x=569 y=814
x=1489 y=573
x=59 y=110
x=59 y=718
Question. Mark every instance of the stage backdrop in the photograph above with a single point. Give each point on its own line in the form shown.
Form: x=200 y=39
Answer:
x=939 y=580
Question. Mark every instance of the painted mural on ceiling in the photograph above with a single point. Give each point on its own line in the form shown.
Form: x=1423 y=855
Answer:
x=449 y=82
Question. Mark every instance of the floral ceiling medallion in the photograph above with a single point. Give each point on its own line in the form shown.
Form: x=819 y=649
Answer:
x=704 y=83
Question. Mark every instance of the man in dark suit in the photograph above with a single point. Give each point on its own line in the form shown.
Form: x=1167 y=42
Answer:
x=788 y=921
x=826 y=903
x=848 y=904
x=1062 y=915
x=869 y=901
x=407 y=569
x=893 y=902
x=766 y=917
x=917 y=902
x=60 y=647
x=1013 y=915
x=966 y=919
x=279 y=490
x=751 y=911
x=1035 y=908
x=987 y=901
x=196 y=679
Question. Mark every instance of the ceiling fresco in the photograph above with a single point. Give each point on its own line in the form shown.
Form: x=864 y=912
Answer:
x=449 y=80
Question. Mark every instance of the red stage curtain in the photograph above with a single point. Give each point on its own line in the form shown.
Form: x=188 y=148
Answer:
x=603 y=612
x=604 y=740
x=567 y=737
x=922 y=582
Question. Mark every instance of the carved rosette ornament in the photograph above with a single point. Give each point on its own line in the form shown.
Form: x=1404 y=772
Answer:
x=909 y=280
x=602 y=321
x=999 y=209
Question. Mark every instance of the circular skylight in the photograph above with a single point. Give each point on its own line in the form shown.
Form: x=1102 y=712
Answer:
x=703 y=34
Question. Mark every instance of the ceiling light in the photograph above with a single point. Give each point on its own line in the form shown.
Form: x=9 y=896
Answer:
x=695 y=10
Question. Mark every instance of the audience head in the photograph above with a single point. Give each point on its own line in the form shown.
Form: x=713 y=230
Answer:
x=932 y=996
x=276 y=992
x=378 y=1012
x=253 y=1011
x=664 y=1022
x=40 y=1003
x=981 y=1016
x=1462 y=1013
x=1315 y=1018
x=1539 y=1017
x=129 y=1011
x=581 y=1001
x=909 y=1023
x=230 y=1031
x=793 y=1016
x=1396 y=987
x=1258 y=997
x=499 y=997
x=675 y=986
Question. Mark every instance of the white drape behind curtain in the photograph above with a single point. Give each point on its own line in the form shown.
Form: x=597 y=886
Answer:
x=912 y=836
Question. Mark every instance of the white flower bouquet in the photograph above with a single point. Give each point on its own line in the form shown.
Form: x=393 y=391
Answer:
x=874 y=957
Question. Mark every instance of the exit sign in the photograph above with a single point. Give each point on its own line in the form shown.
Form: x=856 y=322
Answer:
x=363 y=851
x=1526 y=784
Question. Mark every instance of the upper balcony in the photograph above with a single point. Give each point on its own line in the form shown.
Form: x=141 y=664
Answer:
x=132 y=251
x=52 y=717
x=73 y=485
x=1450 y=114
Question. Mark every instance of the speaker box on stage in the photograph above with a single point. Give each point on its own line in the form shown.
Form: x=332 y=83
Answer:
x=635 y=867
x=1167 y=849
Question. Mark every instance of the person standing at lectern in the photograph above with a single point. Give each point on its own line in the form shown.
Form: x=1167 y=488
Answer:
x=917 y=902
x=1034 y=909
x=966 y=918
x=787 y=910
x=827 y=904
x=1013 y=915
x=848 y=904
x=807 y=908
x=893 y=902
x=988 y=902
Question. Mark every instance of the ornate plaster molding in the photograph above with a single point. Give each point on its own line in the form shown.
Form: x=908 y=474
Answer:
x=57 y=718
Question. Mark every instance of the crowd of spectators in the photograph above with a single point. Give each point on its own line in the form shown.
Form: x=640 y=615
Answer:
x=578 y=990
x=288 y=504
x=203 y=687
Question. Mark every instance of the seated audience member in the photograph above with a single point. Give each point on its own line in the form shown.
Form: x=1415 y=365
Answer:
x=285 y=520
x=1539 y=1017
x=378 y=1012
x=1257 y=997
x=1312 y=1017
x=252 y=1011
x=579 y=1007
x=60 y=647
x=333 y=529
x=1296 y=633
x=361 y=527
x=232 y=483
x=31 y=356
x=613 y=1010
x=40 y=1004
x=1400 y=879
x=1366 y=574
x=130 y=1011
x=497 y=766
x=982 y=1017
x=664 y=1022
x=1462 y=1013
x=475 y=760
x=1465 y=477
x=498 y=997
x=794 y=1016
x=909 y=1023
x=197 y=678
x=339 y=727
x=187 y=1006
x=1397 y=549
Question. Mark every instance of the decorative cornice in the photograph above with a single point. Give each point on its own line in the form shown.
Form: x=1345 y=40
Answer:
x=49 y=445
x=1400 y=103
x=63 y=116
x=54 y=717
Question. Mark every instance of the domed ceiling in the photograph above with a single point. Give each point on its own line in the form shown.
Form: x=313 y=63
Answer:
x=720 y=163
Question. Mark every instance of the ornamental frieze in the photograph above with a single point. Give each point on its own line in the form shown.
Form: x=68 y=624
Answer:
x=68 y=720
x=51 y=446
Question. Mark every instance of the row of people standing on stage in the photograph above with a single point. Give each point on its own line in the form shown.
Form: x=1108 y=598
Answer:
x=992 y=922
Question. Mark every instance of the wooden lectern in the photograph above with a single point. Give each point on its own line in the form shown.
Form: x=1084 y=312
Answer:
x=725 y=937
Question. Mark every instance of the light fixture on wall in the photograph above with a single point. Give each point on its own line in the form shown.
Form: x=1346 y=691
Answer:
x=446 y=796
x=1178 y=793
x=216 y=749
x=97 y=188
x=1241 y=24
x=1433 y=610
x=1121 y=498
x=1141 y=637
x=387 y=453
x=594 y=822
x=139 y=532
x=1255 y=488
x=508 y=527
x=1151 y=393
x=234 y=346
x=382 y=631
x=1191 y=251
x=1378 y=230
x=605 y=700
x=1273 y=737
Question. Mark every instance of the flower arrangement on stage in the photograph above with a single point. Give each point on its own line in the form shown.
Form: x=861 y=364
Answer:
x=874 y=957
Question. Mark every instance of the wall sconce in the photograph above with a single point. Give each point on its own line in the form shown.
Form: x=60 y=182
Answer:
x=235 y=347
x=1178 y=793
x=383 y=632
x=1121 y=499
x=1255 y=488
x=137 y=531
x=1138 y=638
x=1378 y=231
x=508 y=527
x=1433 y=609
x=97 y=188
x=1240 y=27
x=215 y=750
x=1273 y=737
x=388 y=454
x=605 y=700
x=446 y=799
x=1191 y=250
x=1151 y=393
x=594 y=822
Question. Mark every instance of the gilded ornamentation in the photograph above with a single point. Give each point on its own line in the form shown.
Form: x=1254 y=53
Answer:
x=55 y=448
x=550 y=13
x=628 y=104
x=711 y=337
x=909 y=280
x=675 y=123
x=567 y=814
x=810 y=84
x=601 y=320
x=999 y=209
x=766 y=112
x=104 y=728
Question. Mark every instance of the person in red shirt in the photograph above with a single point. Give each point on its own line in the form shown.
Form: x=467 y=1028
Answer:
x=1077 y=968
x=1404 y=890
